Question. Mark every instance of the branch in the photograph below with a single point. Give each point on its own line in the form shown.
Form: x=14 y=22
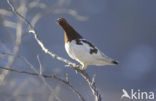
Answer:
x=16 y=47
x=66 y=81
x=91 y=84
x=47 y=76
x=33 y=31
x=71 y=64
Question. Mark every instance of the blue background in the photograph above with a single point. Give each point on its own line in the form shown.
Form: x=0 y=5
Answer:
x=123 y=29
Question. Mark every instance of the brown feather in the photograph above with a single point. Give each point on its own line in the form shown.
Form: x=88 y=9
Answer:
x=69 y=32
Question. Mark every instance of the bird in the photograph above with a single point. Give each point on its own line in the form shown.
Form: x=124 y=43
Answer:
x=80 y=49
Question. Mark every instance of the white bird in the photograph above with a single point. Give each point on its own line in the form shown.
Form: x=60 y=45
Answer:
x=82 y=50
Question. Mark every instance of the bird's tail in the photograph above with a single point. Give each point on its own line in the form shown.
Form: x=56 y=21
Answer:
x=105 y=61
x=114 y=62
x=108 y=60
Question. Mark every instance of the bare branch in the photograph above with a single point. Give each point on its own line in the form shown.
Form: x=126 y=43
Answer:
x=18 y=41
x=41 y=75
x=91 y=85
x=71 y=64
x=46 y=76
x=33 y=31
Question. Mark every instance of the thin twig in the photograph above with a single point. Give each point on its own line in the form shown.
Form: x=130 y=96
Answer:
x=71 y=64
x=33 y=31
x=41 y=75
x=46 y=76
x=35 y=74
x=91 y=85
x=11 y=59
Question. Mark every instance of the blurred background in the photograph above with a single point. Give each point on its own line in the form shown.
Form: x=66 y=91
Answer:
x=123 y=29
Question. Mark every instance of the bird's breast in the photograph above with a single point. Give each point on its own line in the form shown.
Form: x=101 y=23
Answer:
x=79 y=52
x=74 y=51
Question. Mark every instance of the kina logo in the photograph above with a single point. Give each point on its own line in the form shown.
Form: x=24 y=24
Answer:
x=137 y=95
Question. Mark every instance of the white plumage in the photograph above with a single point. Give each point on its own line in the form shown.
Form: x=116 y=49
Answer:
x=82 y=50
x=81 y=53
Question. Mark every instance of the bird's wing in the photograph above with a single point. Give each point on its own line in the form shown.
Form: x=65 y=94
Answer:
x=102 y=56
x=92 y=48
x=96 y=52
x=87 y=42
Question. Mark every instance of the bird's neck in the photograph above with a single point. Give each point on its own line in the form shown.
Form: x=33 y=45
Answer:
x=70 y=33
x=65 y=37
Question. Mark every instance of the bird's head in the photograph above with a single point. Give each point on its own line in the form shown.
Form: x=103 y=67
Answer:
x=61 y=21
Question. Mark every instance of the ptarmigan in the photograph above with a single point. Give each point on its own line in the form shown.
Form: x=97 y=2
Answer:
x=82 y=50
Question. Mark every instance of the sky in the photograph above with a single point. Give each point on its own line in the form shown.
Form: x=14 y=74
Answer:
x=122 y=29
